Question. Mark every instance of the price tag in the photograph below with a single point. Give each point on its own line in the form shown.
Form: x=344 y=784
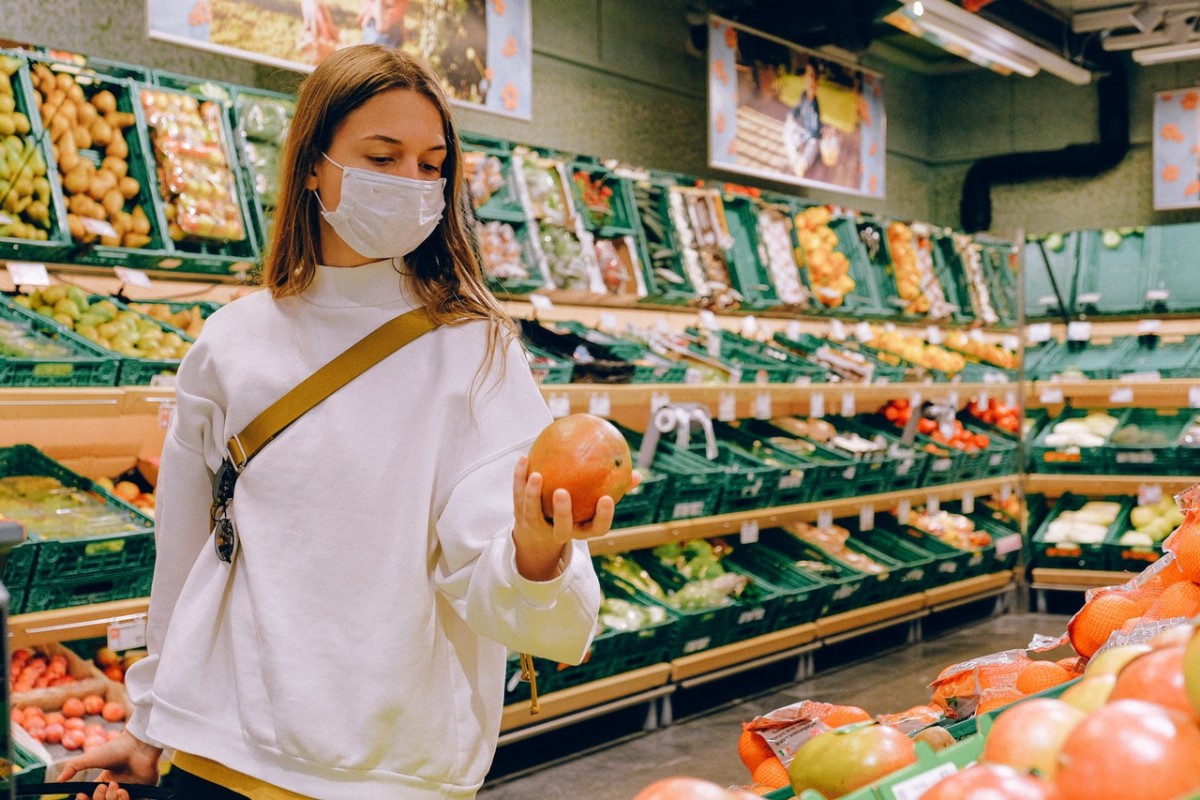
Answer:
x=133 y=277
x=1079 y=331
x=127 y=634
x=1149 y=494
x=600 y=404
x=794 y=330
x=968 y=502
x=1158 y=295
x=914 y=788
x=1194 y=397
x=1148 y=326
x=933 y=504
x=762 y=405
x=1010 y=342
x=825 y=519
x=26 y=273
x=1047 y=300
x=560 y=405
x=712 y=343
x=837 y=331
x=975 y=335
x=726 y=406
x=1007 y=544
x=983 y=398
x=99 y=227
x=849 y=405
x=1089 y=298
x=1005 y=492
x=608 y=321
x=933 y=334
x=952 y=399
x=541 y=302
x=749 y=327
x=816 y=405
x=1037 y=333
x=904 y=510
x=863 y=332
x=163 y=380
x=1010 y=398
x=166 y=414
x=692 y=376
x=708 y=320
x=866 y=518
x=1121 y=394
x=1050 y=396
x=658 y=400
x=749 y=533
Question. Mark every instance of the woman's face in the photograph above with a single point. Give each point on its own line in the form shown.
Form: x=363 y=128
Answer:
x=398 y=132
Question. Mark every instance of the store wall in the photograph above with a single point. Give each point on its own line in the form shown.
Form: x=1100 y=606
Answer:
x=612 y=78
x=978 y=114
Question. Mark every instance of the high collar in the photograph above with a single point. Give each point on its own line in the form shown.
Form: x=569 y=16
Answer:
x=378 y=283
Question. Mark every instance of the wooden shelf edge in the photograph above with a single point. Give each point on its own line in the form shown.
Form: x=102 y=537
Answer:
x=870 y=615
x=1048 y=577
x=738 y=652
x=64 y=624
x=1167 y=392
x=980 y=584
x=1059 y=484
x=577 y=698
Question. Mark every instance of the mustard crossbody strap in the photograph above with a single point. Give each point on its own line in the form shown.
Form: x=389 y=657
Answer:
x=354 y=361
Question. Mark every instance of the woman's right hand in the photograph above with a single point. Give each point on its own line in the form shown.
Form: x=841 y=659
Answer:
x=125 y=759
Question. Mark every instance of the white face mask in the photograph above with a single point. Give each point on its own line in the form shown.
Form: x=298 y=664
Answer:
x=384 y=216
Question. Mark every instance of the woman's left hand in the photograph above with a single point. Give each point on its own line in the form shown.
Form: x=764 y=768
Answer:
x=539 y=541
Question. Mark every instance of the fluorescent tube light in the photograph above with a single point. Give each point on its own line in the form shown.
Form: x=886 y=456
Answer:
x=963 y=39
x=1167 y=53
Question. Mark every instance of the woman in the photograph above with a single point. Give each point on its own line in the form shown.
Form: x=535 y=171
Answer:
x=355 y=646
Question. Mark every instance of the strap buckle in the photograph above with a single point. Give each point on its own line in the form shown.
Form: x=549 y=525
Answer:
x=237 y=454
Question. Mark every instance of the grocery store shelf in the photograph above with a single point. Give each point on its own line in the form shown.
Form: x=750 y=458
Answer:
x=738 y=653
x=103 y=401
x=1107 y=326
x=868 y=618
x=1095 y=485
x=1076 y=579
x=67 y=624
x=647 y=536
x=1167 y=393
x=578 y=698
x=944 y=597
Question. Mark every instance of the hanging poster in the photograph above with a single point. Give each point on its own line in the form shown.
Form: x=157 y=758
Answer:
x=1177 y=149
x=480 y=48
x=779 y=111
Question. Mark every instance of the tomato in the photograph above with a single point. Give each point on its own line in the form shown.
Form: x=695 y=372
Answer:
x=681 y=788
x=1130 y=749
x=1028 y=735
x=840 y=761
x=991 y=782
x=1156 y=676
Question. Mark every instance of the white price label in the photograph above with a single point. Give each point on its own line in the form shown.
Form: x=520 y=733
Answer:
x=1051 y=396
x=658 y=400
x=541 y=302
x=165 y=379
x=1005 y=492
x=127 y=634
x=975 y=335
x=712 y=343
x=982 y=399
x=1121 y=394
x=933 y=334
x=952 y=399
x=166 y=414
x=1047 y=300
x=693 y=376
x=608 y=321
x=1149 y=494
x=863 y=332
x=99 y=227
x=749 y=327
x=794 y=330
x=1007 y=544
x=866 y=518
x=904 y=511
x=1148 y=326
x=727 y=406
x=915 y=400
x=1010 y=342
x=762 y=405
x=933 y=504
x=749 y=534
x=600 y=404
x=1010 y=398
x=968 y=502
x=825 y=519
x=1089 y=298
x=1038 y=332
x=1158 y=295
x=914 y=788
x=560 y=405
x=27 y=273
x=1079 y=331
x=816 y=405
x=708 y=320
x=849 y=405
x=837 y=331
x=133 y=277
x=1194 y=397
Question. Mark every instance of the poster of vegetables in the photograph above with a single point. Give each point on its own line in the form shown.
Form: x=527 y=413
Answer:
x=480 y=48
x=1177 y=149
x=781 y=112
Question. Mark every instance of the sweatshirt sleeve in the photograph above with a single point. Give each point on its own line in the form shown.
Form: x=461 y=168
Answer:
x=476 y=570
x=181 y=528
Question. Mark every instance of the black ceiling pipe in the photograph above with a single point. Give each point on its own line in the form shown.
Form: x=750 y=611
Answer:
x=1077 y=160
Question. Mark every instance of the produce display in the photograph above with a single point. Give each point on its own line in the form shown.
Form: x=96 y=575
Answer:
x=101 y=321
x=25 y=200
x=88 y=127
x=981 y=295
x=1151 y=523
x=916 y=350
x=131 y=493
x=29 y=670
x=833 y=541
x=955 y=530
x=263 y=124
x=1087 y=525
x=712 y=586
x=189 y=320
x=949 y=432
x=617 y=614
x=774 y=229
x=82 y=723
x=994 y=412
x=199 y=191
x=1091 y=430
x=501 y=251
x=824 y=432
x=485 y=175
x=988 y=353
x=699 y=219
x=911 y=280
x=596 y=198
x=828 y=267
x=49 y=510
x=21 y=341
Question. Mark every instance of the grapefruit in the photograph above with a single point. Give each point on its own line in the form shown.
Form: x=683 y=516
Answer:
x=839 y=761
x=1156 y=677
x=1028 y=735
x=587 y=456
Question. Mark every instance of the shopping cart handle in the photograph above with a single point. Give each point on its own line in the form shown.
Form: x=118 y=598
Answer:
x=135 y=790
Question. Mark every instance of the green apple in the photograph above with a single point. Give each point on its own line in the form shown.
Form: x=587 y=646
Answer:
x=1113 y=660
x=1090 y=693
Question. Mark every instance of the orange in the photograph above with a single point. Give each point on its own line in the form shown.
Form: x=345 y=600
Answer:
x=997 y=698
x=844 y=715
x=1041 y=675
x=771 y=772
x=587 y=456
x=1179 y=600
x=1186 y=546
x=1001 y=675
x=753 y=749
x=1090 y=628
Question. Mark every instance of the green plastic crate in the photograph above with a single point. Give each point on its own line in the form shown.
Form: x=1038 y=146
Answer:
x=256 y=171
x=1158 y=453
x=1112 y=280
x=797 y=476
x=1001 y=279
x=1047 y=268
x=826 y=475
x=752 y=612
x=850 y=588
x=87 y=590
x=85 y=365
x=1173 y=249
x=648 y=366
x=748 y=266
x=504 y=203
x=830 y=355
x=666 y=281
x=901 y=467
x=90 y=64
x=798 y=368
x=1152 y=356
x=694 y=484
x=952 y=274
x=750 y=483
x=546 y=367
x=743 y=364
x=999 y=458
x=944 y=464
x=1088 y=460
x=801 y=595
x=534 y=279
x=1099 y=361
x=601 y=365
x=1128 y=558
x=143 y=371
x=640 y=505
x=950 y=563
x=1070 y=555
x=621 y=216
x=914 y=567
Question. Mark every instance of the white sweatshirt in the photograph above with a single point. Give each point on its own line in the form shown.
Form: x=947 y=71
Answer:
x=356 y=648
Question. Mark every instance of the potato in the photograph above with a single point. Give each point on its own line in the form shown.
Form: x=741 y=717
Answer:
x=101 y=132
x=117 y=147
x=117 y=166
x=83 y=137
x=21 y=122
x=110 y=241
x=68 y=158
x=113 y=201
x=104 y=101
x=129 y=187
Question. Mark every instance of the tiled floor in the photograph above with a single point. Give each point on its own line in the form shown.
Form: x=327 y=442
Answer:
x=612 y=759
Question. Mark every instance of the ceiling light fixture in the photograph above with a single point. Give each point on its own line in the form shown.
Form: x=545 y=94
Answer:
x=918 y=8
x=1167 y=53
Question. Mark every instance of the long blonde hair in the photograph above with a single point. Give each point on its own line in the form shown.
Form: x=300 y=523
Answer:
x=448 y=280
